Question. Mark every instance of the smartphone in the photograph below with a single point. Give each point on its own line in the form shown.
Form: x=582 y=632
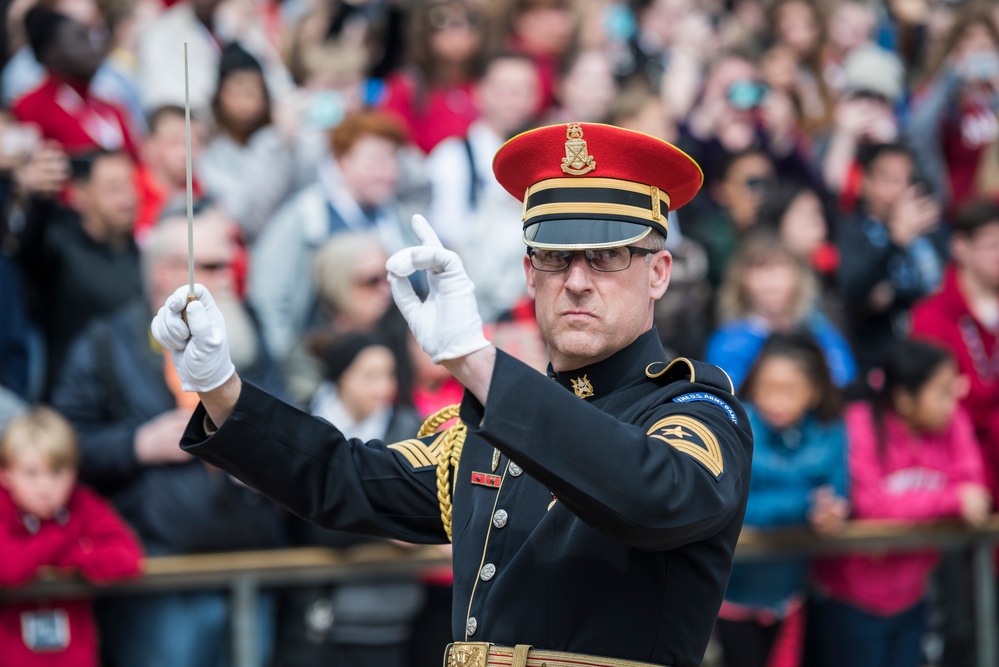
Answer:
x=18 y=140
x=325 y=110
x=745 y=94
x=982 y=66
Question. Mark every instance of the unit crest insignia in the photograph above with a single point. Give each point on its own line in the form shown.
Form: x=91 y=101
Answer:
x=582 y=387
x=577 y=160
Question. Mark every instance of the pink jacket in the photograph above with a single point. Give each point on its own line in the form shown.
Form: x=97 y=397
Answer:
x=917 y=482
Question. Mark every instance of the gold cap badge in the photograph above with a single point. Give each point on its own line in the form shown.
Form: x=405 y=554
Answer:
x=577 y=160
x=582 y=387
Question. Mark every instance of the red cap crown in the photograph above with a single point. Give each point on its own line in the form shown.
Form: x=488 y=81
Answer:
x=579 y=175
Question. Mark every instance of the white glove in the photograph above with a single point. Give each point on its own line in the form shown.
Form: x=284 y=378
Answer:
x=447 y=324
x=200 y=348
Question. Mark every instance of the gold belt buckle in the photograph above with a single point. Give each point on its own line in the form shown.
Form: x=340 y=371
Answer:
x=467 y=654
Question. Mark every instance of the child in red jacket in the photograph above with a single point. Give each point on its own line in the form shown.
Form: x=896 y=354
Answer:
x=49 y=523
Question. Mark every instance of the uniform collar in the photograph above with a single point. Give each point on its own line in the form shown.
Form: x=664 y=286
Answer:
x=616 y=371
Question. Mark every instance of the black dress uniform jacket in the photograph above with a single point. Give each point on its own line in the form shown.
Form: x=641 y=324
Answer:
x=621 y=493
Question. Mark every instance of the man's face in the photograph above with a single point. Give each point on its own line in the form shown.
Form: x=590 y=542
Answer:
x=886 y=180
x=370 y=170
x=213 y=255
x=109 y=196
x=586 y=316
x=77 y=50
x=978 y=255
x=508 y=95
x=166 y=150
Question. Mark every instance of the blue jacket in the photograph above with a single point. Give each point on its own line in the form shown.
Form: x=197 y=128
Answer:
x=787 y=467
x=734 y=347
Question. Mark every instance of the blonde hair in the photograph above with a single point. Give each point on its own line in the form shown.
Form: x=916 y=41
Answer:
x=758 y=250
x=336 y=264
x=47 y=431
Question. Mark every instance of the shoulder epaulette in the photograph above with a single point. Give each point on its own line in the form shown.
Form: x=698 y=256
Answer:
x=683 y=369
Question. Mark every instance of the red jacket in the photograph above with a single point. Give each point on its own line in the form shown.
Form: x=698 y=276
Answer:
x=946 y=319
x=67 y=112
x=429 y=116
x=93 y=541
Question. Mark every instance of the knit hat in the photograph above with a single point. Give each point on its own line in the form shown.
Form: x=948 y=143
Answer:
x=871 y=69
x=340 y=353
x=235 y=58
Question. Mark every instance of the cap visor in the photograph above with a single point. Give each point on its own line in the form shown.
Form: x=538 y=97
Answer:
x=566 y=234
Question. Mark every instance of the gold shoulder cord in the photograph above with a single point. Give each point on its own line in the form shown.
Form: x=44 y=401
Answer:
x=450 y=452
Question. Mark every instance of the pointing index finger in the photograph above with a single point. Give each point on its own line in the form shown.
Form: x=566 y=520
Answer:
x=425 y=232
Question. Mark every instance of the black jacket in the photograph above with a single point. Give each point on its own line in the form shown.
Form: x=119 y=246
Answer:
x=650 y=472
x=73 y=279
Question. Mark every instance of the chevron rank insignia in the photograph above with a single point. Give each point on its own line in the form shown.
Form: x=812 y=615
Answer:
x=418 y=454
x=693 y=438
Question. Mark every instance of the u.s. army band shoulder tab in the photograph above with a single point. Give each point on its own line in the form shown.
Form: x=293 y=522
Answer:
x=700 y=396
x=693 y=438
x=418 y=453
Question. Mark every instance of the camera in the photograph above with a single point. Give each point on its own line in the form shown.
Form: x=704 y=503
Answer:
x=745 y=94
x=982 y=66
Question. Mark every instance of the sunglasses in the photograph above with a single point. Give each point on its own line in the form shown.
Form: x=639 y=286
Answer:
x=605 y=260
x=443 y=17
x=371 y=282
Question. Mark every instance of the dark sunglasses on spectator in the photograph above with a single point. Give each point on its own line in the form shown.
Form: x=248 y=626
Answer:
x=868 y=95
x=371 y=282
x=212 y=266
x=446 y=16
x=545 y=4
x=758 y=184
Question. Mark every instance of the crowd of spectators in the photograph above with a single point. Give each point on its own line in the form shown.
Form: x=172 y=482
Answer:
x=841 y=262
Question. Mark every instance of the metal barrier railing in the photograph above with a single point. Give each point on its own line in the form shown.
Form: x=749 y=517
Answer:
x=244 y=574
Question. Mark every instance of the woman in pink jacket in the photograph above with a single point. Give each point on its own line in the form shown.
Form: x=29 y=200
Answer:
x=913 y=458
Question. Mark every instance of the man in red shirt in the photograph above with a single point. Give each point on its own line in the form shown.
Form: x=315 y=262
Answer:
x=62 y=104
x=963 y=315
x=161 y=179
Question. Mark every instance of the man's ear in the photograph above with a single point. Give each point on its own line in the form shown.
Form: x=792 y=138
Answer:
x=529 y=274
x=959 y=247
x=77 y=195
x=660 y=268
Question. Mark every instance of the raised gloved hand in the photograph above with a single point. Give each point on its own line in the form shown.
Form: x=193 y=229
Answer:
x=199 y=348
x=447 y=324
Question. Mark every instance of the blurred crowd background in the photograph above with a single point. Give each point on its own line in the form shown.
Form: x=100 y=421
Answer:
x=844 y=251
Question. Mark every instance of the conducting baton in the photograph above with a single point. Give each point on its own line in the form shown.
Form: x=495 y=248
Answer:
x=190 y=190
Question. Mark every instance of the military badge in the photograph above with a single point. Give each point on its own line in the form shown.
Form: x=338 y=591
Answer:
x=582 y=387
x=693 y=438
x=577 y=160
x=485 y=479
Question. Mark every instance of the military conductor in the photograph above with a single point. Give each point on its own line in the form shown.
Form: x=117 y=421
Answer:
x=594 y=512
